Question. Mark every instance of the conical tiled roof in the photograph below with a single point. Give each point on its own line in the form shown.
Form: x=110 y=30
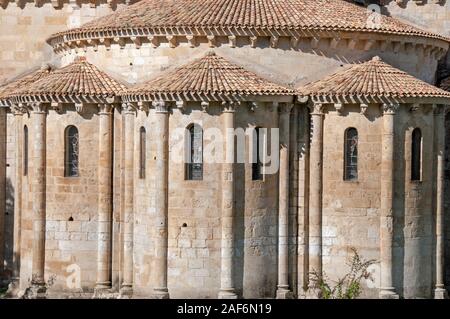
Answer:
x=79 y=78
x=24 y=81
x=155 y=16
x=374 y=78
x=210 y=75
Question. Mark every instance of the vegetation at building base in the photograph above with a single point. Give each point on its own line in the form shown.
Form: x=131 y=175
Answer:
x=346 y=287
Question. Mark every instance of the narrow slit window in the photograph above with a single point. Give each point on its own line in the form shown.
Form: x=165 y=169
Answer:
x=71 y=168
x=142 y=150
x=257 y=165
x=194 y=143
x=25 y=150
x=416 y=155
x=351 y=155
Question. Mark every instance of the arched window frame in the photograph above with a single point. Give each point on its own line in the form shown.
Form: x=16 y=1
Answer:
x=416 y=154
x=142 y=151
x=257 y=167
x=351 y=139
x=71 y=151
x=194 y=160
x=25 y=150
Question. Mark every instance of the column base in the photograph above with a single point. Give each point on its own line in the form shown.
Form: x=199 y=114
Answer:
x=126 y=292
x=283 y=293
x=440 y=293
x=36 y=291
x=388 y=293
x=160 y=293
x=227 y=294
x=13 y=288
x=104 y=291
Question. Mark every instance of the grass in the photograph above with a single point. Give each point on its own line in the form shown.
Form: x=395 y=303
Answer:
x=3 y=291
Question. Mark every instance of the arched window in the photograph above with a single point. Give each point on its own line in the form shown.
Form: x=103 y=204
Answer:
x=194 y=161
x=416 y=155
x=257 y=163
x=25 y=150
x=71 y=152
x=142 y=149
x=351 y=155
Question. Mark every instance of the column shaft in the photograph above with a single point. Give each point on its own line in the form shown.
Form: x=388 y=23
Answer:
x=387 y=199
x=439 y=124
x=128 y=116
x=2 y=184
x=161 y=197
x=38 y=187
x=283 y=203
x=315 y=190
x=18 y=116
x=104 y=197
x=227 y=289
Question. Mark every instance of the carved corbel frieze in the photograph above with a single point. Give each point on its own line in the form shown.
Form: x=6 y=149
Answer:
x=79 y=107
x=314 y=43
x=334 y=42
x=211 y=41
x=317 y=109
x=38 y=107
x=120 y=41
x=232 y=41
x=294 y=42
x=363 y=108
x=204 y=105
x=414 y=107
x=284 y=108
x=339 y=108
x=172 y=40
x=106 y=43
x=137 y=42
x=143 y=106
x=274 y=39
x=351 y=44
x=253 y=41
x=369 y=44
x=154 y=41
x=191 y=41
x=93 y=43
x=181 y=105
x=105 y=108
x=254 y=105
x=57 y=107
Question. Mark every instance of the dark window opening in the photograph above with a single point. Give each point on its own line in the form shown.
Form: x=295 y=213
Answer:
x=71 y=168
x=257 y=165
x=351 y=155
x=194 y=163
x=142 y=151
x=416 y=155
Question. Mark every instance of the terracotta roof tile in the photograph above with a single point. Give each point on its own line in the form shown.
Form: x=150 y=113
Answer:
x=329 y=15
x=374 y=78
x=77 y=78
x=209 y=75
x=23 y=81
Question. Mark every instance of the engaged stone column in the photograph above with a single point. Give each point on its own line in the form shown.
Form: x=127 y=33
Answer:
x=439 y=123
x=18 y=112
x=2 y=184
x=104 y=198
x=283 y=291
x=162 y=197
x=387 y=290
x=315 y=190
x=38 y=187
x=227 y=289
x=128 y=117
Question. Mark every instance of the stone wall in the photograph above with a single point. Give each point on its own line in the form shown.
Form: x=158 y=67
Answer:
x=23 y=31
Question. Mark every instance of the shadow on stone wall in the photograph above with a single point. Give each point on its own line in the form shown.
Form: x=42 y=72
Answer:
x=9 y=226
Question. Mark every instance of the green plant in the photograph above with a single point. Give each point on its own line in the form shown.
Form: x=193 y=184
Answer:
x=346 y=287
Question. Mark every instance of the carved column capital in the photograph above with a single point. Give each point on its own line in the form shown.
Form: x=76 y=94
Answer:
x=390 y=108
x=18 y=109
x=317 y=109
x=38 y=107
x=229 y=107
x=161 y=106
x=285 y=108
x=128 y=108
x=105 y=108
